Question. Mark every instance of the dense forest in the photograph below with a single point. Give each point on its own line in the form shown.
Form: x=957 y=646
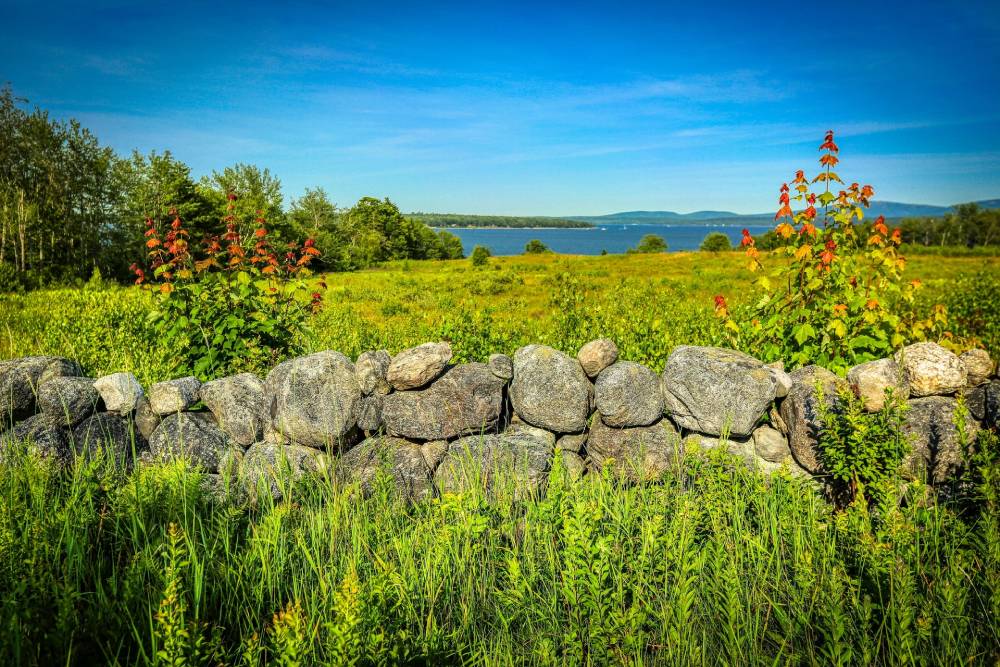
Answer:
x=70 y=206
x=513 y=221
x=969 y=226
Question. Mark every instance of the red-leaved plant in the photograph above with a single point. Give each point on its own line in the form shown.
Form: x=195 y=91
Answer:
x=836 y=296
x=233 y=303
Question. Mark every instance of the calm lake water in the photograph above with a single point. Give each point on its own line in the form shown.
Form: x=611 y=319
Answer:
x=613 y=238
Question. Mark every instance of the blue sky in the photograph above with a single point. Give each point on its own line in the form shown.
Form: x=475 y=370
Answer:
x=520 y=109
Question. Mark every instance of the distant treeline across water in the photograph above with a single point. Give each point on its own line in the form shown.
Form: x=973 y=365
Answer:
x=595 y=240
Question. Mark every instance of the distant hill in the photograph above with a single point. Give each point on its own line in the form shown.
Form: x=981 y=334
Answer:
x=512 y=221
x=890 y=209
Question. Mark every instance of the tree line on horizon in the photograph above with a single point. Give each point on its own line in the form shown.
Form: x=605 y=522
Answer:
x=70 y=207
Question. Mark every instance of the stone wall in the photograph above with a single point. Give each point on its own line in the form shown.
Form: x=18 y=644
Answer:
x=428 y=420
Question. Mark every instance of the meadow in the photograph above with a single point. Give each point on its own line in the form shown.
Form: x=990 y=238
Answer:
x=646 y=303
x=716 y=565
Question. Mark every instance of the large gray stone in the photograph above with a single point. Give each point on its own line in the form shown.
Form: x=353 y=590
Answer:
x=108 y=432
x=192 y=435
x=371 y=369
x=597 y=355
x=644 y=453
x=145 y=419
x=869 y=382
x=69 y=399
x=550 y=390
x=270 y=467
x=170 y=396
x=520 y=457
x=628 y=394
x=931 y=370
x=370 y=413
x=937 y=449
x=402 y=460
x=239 y=404
x=502 y=366
x=714 y=390
x=43 y=434
x=800 y=412
x=991 y=404
x=572 y=443
x=434 y=452
x=465 y=400
x=121 y=392
x=978 y=366
x=771 y=445
x=20 y=380
x=314 y=399
x=417 y=366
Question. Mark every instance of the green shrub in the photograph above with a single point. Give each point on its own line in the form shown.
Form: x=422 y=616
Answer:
x=716 y=242
x=535 y=247
x=862 y=450
x=650 y=243
x=481 y=256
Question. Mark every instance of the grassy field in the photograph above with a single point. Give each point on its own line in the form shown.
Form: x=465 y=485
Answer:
x=646 y=303
x=716 y=565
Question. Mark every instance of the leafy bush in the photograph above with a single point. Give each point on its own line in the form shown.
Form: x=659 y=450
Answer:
x=232 y=305
x=535 y=247
x=838 y=298
x=650 y=243
x=481 y=255
x=716 y=242
x=862 y=450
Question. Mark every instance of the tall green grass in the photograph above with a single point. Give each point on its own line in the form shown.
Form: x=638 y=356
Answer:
x=716 y=565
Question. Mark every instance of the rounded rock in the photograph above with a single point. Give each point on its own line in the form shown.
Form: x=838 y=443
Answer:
x=597 y=355
x=418 y=366
x=121 y=392
x=931 y=370
x=978 y=366
x=313 y=400
x=402 y=460
x=371 y=369
x=644 y=453
x=714 y=390
x=870 y=381
x=465 y=400
x=192 y=435
x=170 y=396
x=800 y=412
x=770 y=445
x=550 y=390
x=239 y=405
x=502 y=366
x=69 y=399
x=628 y=394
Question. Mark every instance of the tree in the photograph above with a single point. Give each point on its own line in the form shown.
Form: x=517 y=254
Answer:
x=650 y=243
x=258 y=194
x=716 y=242
x=314 y=216
x=481 y=256
x=374 y=231
x=155 y=187
x=536 y=247
x=451 y=245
